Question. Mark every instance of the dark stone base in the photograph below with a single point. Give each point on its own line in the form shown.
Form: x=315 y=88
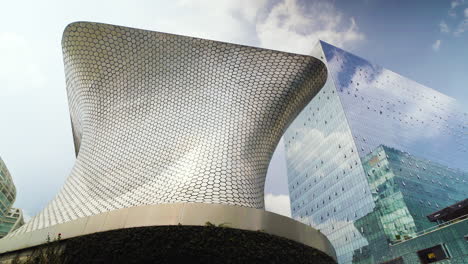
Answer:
x=187 y=244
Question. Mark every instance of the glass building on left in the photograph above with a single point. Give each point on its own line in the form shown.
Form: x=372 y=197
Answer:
x=10 y=218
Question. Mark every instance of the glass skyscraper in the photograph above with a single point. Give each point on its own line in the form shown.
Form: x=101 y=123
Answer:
x=372 y=155
x=11 y=221
x=10 y=218
x=7 y=190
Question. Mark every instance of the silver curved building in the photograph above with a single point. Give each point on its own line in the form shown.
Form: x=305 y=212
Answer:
x=160 y=118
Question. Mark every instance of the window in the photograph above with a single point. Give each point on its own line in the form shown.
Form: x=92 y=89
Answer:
x=433 y=254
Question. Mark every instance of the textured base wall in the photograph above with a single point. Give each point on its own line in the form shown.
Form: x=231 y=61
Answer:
x=120 y=230
x=181 y=244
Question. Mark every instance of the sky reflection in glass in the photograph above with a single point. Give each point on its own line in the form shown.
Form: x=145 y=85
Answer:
x=368 y=155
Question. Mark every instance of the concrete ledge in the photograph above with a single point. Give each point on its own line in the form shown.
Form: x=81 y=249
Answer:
x=187 y=214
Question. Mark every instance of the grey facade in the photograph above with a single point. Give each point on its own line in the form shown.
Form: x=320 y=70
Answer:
x=159 y=118
x=362 y=112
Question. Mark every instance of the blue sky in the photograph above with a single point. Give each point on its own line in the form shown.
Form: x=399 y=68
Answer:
x=422 y=40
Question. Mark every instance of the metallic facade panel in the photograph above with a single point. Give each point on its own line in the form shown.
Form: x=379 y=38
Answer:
x=160 y=118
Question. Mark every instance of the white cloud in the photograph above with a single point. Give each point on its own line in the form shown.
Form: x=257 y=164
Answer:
x=462 y=25
x=278 y=204
x=26 y=215
x=294 y=28
x=223 y=20
x=444 y=28
x=452 y=13
x=436 y=45
x=18 y=72
x=453 y=5
x=461 y=28
x=456 y=3
x=412 y=134
x=315 y=135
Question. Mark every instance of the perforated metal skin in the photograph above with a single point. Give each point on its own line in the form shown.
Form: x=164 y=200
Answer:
x=161 y=118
